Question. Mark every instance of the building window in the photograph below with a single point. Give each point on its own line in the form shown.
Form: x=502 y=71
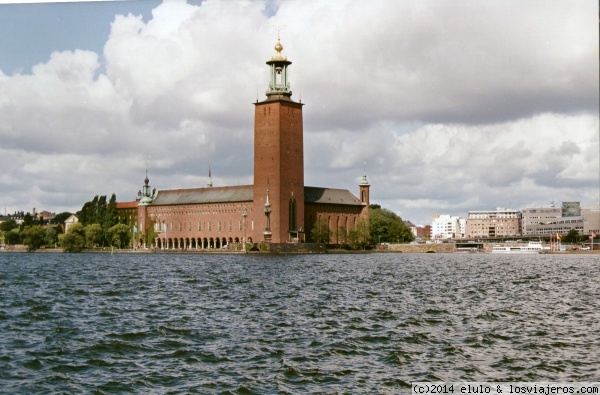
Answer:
x=292 y=214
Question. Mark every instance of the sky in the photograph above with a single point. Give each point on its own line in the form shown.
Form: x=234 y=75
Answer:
x=450 y=107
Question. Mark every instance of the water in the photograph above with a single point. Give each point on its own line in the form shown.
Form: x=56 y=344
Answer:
x=248 y=324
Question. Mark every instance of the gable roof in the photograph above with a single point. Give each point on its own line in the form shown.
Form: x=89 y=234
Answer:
x=243 y=193
x=72 y=219
x=330 y=196
x=124 y=205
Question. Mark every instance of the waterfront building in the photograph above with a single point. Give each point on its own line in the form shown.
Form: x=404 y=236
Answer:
x=591 y=220
x=444 y=226
x=545 y=221
x=423 y=232
x=277 y=208
x=497 y=223
x=72 y=220
x=535 y=217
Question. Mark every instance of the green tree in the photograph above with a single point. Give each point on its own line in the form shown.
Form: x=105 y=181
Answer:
x=119 y=235
x=51 y=236
x=27 y=221
x=353 y=238
x=150 y=233
x=110 y=217
x=321 y=233
x=33 y=237
x=12 y=237
x=572 y=237
x=101 y=211
x=359 y=236
x=341 y=235
x=74 y=239
x=386 y=226
x=8 y=225
x=93 y=235
x=87 y=214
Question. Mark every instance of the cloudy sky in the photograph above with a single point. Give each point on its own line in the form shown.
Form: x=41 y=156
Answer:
x=454 y=106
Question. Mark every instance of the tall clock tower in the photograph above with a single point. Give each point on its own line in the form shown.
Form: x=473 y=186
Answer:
x=279 y=156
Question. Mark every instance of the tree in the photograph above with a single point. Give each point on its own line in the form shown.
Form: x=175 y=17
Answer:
x=93 y=235
x=119 y=235
x=362 y=233
x=341 y=235
x=8 y=225
x=33 y=237
x=110 y=217
x=27 y=221
x=12 y=236
x=386 y=226
x=150 y=233
x=321 y=233
x=572 y=237
x=87 y=214
x=74 y=239
x=51 y=236
x=359 y=236
x=100 y=211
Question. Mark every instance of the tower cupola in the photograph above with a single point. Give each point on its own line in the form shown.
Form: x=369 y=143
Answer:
x=278 y=81
x=146 y=196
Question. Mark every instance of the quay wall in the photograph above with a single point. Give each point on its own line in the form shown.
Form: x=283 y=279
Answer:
x=418 y=248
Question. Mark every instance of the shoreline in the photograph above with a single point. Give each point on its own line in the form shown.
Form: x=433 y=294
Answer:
x=23 y=249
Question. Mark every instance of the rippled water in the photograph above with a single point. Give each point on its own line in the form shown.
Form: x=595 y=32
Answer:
x=256 y=324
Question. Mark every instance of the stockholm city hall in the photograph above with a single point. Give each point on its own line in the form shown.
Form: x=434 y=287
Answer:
x=278 y=208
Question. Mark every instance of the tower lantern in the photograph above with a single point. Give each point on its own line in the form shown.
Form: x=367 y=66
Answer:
x=278 y=83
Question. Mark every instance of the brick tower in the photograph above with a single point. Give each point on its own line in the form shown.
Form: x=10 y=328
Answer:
x=279 y=156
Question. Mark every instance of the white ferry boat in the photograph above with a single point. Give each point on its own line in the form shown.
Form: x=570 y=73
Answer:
x=533 y=247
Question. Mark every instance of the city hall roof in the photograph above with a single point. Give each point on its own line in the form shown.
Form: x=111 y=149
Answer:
x=330 y=196
x=245 y=193
x=168 y=197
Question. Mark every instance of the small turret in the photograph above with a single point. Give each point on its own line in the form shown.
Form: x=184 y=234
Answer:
x=364 y=187
x=146 y=197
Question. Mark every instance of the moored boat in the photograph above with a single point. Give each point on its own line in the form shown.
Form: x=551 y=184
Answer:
x=533 y=247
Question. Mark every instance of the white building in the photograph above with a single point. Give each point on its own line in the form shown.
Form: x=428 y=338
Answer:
x=444 y=226
x=70 y=222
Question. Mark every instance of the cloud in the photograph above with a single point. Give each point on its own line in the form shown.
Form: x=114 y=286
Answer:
x=454 y=107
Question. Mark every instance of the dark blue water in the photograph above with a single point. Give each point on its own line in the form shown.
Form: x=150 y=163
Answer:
x=248 y=324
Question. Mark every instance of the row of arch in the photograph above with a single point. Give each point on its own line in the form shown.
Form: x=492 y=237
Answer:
x=199 y=243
